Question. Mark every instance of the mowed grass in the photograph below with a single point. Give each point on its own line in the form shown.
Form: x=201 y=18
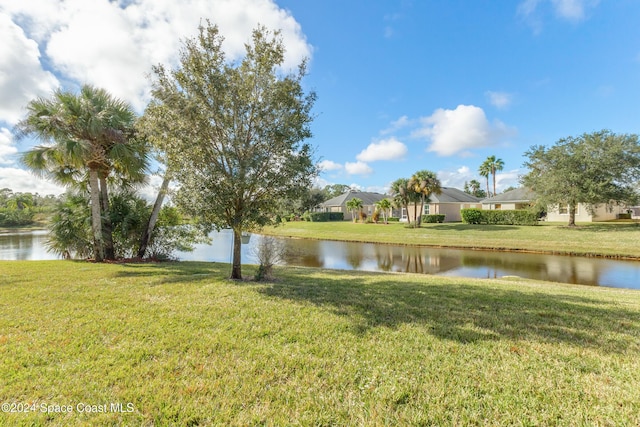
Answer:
x=614 y=239
x=182 y=345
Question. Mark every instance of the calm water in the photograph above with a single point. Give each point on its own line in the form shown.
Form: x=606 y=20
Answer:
x=375 y=257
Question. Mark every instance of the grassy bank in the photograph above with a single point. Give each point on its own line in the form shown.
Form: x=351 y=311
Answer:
x=180 y=345
x=598 y=239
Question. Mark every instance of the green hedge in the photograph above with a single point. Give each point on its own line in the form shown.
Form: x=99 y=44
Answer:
x=496 y=217
x=326 y=216
x=393 y=219
x=433 y=218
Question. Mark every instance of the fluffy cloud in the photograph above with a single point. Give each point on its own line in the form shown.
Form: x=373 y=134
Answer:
x=21 y=181
x=329 y=165
x=388 y=149
x=22 y=77
x=7 y=149
x=568 y=10
x=455 y=131
x=113 y=44
x=357 y=168
x=499 y=99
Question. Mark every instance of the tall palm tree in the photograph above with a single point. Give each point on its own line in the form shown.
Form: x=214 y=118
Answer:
x=424 y=183
x=494 y=165
x=354 y=205
x=484 y=170
x=384 y=205
x=398 y=190
x=88 y=137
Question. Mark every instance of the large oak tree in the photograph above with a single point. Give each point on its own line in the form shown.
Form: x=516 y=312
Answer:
x=234 y=131
x=593 y=168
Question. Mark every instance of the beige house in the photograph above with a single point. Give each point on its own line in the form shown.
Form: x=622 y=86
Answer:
x=519 y=198
x=599 y=213
x=339 y=203
x=522 y=198
x=448 y=203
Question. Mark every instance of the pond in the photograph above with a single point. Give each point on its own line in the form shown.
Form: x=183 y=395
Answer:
x=381 y=257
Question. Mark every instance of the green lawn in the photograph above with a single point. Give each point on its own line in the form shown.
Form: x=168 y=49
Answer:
x=602 y=239
x=182 y=345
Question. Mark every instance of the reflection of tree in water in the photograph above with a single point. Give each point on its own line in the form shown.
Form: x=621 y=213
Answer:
x=304 y=252
x=20 y=246
x=413 y=261
x=354 y=254
x=541 y=267
x=385 y=255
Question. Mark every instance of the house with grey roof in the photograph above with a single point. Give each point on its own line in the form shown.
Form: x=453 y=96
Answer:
x=339 y=203
x=519 y=198
x=448 y=203
x=522 y=198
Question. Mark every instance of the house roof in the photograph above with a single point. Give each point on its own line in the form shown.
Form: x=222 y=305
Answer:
x=519 y=195
x=453 y=195
x=366 y=197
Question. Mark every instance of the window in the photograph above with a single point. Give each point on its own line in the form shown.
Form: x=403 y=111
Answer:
x=564 y=210
x=426 y=209
x=498 y=206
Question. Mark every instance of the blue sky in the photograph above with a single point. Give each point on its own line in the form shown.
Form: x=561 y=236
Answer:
x=401 y=85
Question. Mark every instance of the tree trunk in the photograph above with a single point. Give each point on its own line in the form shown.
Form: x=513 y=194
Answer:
x=421 y=210
x=415 y=214
x=494 y=183
x=96 y=220
x=236 y=269
x=107 y=227
x=572 y=215
x=148 y=231
x=488 y=192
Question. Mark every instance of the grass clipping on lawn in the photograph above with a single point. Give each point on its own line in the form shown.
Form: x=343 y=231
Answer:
x=179 y=344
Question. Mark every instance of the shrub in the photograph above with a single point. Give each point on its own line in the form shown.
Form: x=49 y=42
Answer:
x=363 y=216
x=439 y=218
x=471 y=216
x=496 y=217
x=375 y=216
x=326 y=216
x=393 y=219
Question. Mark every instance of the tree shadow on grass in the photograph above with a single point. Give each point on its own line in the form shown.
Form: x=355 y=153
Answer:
x=466 y=313
x=471 y=227
x=175 y=272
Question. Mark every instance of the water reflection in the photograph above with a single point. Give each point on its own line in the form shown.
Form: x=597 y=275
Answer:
x=24 y=246
x=375 y=257
x=452 y=262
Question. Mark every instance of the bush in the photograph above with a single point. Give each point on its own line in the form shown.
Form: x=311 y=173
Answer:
x=495 y=217
x=432 y=219
x=393 y=219
x=326 y=216
x=471 y=216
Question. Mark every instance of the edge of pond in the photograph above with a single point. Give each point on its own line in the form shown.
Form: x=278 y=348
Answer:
x=621 y=257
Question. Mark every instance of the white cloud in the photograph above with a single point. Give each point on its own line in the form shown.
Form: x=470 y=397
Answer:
x=114 y=44
x=357 y=168
x=21 y=181
x=7 y=149
x=568 y=10
x=329 y=165
x=499 y=99
x=22 y=77
x=465 y=128
x=388 y=149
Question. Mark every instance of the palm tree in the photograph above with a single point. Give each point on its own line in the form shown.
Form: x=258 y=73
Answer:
x=400 y=193
x=354 y=205
x=424 y=183
x=384 y=205
x=494 y=165
x=88 y=136
x=484 y=170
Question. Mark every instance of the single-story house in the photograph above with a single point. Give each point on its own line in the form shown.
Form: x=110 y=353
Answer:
x=522 y=198
x=448 y=203
x=339 y=203
x=519 y=198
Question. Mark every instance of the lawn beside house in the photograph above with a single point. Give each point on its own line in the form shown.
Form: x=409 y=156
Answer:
x=179 y=344
x=614 y=239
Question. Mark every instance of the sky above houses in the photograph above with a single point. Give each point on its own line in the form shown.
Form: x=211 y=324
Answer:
x=402 y=85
